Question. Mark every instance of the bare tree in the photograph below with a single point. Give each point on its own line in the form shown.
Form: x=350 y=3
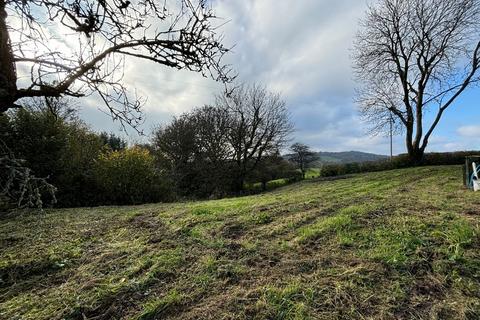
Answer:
x=212 y=124
x=53 y=48
x=214 y=164
x=302 y=156
x=415 y=56
x=175 y=146
x=194 y=150
x=259 y=125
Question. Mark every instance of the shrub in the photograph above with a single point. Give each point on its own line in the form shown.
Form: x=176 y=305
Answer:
x=129 y=176
x=77 y=184
x=448 y=158
x=61 y=150
x=39 y=138
x=58 y=149
x=19 y=188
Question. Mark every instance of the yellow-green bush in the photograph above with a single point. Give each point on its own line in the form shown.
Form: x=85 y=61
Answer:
x=129 y=176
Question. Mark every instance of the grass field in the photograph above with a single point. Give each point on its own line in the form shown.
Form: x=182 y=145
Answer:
x=311 y=173
x=401 y=244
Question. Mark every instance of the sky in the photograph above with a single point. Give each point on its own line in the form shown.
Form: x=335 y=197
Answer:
x=301 y=49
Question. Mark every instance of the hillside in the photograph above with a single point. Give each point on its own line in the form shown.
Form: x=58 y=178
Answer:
x=343 y=157
x=348 y=157
x=401 y=244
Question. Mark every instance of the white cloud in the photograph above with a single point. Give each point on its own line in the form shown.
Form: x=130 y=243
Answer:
x=299 y=48
x=472 y=131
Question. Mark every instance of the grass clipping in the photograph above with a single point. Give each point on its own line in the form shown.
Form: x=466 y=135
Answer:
x=401 y=244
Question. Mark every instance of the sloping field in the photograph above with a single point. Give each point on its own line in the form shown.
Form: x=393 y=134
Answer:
x=402 y=244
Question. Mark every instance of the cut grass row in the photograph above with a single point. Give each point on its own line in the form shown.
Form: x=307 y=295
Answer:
x=311 y=173
x=401 y=244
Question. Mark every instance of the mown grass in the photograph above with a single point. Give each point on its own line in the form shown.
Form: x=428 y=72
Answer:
x=400 y=244
x=270 y=185
x=311 y=173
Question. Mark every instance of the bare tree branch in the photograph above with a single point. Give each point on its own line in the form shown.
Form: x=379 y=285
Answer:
x=259 y=125
x=76 y=48
x=411 y=55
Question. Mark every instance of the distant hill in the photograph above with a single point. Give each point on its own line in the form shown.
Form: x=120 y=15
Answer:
x=344 y=157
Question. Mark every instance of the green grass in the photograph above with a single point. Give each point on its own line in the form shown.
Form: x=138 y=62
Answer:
x=312 y=173
x=401 y=244
x=272 y=184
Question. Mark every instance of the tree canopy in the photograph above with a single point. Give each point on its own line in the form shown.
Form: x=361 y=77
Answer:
x=54 y=48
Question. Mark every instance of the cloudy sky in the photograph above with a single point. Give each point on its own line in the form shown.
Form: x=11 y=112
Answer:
x=298 y=48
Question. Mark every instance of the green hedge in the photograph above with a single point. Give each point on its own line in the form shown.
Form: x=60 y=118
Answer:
x=400 y=161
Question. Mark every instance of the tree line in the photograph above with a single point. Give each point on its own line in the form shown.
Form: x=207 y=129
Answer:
x=224 y=145
x=411 y=57
x=211 y=151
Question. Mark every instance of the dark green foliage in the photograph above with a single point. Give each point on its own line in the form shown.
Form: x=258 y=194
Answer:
x=191 y=157
x=273 y=167
x=60 y=149
x=113 y=141
x=56 y=146
x=215 y=150
x=19 y=188
x=447 y=158
x=193 y=149
x=39 y=137
x=77 y=185
x=5 y=129
x=178 y=149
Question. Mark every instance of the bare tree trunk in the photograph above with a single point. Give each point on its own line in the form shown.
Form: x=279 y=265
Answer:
x=409 y=138
x=239 y=177
x=419 y=127
x=264 y=185
x=415 y=153
x=416 y=156
x=239 y=183
x=8 y=77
